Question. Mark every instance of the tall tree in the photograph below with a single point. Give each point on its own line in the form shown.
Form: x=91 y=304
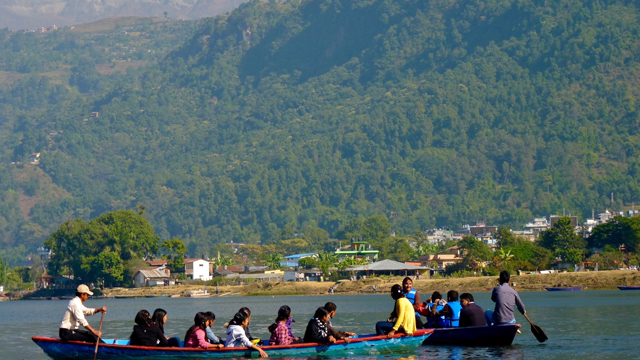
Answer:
x=617 y=232
x=563 y=240
x=174 y=253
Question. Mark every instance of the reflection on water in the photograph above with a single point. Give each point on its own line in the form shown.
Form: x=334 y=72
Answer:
x=585 y=325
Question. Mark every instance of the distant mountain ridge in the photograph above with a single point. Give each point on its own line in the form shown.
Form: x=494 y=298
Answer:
x=31 y=14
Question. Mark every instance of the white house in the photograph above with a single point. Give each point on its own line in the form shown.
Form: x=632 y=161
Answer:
x=152 y=277
x=197 y=269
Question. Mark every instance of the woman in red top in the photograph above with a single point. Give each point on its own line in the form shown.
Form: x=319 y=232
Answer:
x=280 y=331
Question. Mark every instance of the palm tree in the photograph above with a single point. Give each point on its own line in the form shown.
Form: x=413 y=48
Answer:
x=273 y=261
x=505 y=256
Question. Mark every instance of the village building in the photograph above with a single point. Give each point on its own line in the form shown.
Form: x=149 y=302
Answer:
x=294 y=260
x=152 y=277
x=197 y=269
x=387 y=267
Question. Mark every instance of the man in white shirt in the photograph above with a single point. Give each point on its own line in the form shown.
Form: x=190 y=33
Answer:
x=75 y=316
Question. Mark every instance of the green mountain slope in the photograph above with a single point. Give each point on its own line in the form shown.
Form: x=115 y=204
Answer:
x=433 y=113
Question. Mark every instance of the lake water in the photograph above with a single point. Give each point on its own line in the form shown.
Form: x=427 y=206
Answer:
x=583 y=324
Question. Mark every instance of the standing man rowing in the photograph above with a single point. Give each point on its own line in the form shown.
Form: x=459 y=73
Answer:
x=75 y=316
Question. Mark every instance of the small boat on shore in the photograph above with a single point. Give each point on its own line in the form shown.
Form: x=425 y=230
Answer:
x=629 y=287
x=575 y=288
x=119 y=349
x=499 y=335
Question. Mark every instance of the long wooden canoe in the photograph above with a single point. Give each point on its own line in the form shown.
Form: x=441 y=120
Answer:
x=499 y=335
x=116 y=349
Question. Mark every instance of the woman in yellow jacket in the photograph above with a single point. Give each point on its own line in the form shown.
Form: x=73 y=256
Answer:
x=405 y=321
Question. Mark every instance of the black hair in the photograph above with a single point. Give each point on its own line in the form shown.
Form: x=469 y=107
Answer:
x=245 y=310
x=504 y=277
x=143 y=318
x=78 y=293
x=199 y=322
x=406 y=280
x=330 y=307
x=210 y=316
x=466 y=296
x=452 y=295
x=238 y=318
x=158 y=317
x=396 y=292
x=435 y=296
x=320 y=313
x=283 y=314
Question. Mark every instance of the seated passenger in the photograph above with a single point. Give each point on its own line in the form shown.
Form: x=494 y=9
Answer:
x=196 y=336
x=211 y=319
x=433 y=305
x=471 y=314
x=159 y=318
x=236 y=336
x=280 y=332
x=332 y=309
x=317 y=329
x=405 y=313
x=247 y=312
x=450 y=310
x=145 y=332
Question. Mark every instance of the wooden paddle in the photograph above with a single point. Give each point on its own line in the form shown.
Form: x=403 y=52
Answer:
x=537 y=331
x=95 y=353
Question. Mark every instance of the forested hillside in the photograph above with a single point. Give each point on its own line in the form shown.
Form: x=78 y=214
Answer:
x=311 y=113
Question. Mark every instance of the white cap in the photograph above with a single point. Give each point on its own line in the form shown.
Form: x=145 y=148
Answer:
x=84 y=289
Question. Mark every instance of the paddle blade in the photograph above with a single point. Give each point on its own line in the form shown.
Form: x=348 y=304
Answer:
x=538 y=333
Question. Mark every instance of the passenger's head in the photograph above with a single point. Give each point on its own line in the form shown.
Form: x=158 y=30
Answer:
x=452 y=295
x=504 y=277
x=407 y=284
x=396 y=292
x=200 y=320
x=246 y=311
x=435 y=296
x=240 y=318
x=321 y=314
x=160 y=318
x=143 y=318
x=211 y=318
x=465 y=299
x=331 y=309
x=284 y=313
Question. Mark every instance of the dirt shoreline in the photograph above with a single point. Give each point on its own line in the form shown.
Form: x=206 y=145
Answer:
x=600 y=280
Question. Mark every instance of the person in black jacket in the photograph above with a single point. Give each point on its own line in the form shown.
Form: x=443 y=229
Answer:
x=317 y=329
x=145 y=332
x=471 y=314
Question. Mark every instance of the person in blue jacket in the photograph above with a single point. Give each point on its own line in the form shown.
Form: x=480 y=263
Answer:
x=449 y=311
x=434 y=306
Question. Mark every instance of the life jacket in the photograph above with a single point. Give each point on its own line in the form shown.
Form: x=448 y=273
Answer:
x=455 y=320
x=435 y=322
x=411 y=296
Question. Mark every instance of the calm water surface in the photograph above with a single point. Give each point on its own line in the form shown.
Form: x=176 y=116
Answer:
x=580 y=325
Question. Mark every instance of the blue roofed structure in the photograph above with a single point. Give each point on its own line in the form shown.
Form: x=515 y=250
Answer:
x=292 y=260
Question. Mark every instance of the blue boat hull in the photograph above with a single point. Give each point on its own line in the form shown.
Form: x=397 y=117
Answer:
x=365 y=345
x=577 y=288
x=629 y=287
x=500 y=335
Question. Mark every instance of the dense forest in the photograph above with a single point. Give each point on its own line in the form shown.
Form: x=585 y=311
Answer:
x=304 y=115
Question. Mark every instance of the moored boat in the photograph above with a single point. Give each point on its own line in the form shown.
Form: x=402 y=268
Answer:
x=499 y=335
x=575 y=288
x=629 y=287
x=119 y=349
